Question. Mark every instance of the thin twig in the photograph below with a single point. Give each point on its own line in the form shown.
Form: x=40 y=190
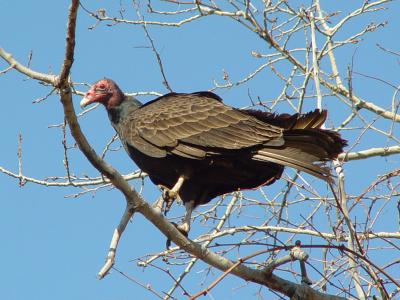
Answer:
x=153 y=47
x=110 y=260
x=19 y=154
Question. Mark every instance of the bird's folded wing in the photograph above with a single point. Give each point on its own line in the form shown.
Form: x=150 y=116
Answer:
x=194 y=125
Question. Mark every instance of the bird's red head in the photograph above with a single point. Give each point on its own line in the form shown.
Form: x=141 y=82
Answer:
x=104 y=91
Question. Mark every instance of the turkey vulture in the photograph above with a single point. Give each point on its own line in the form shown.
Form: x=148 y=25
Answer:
x=198 y=148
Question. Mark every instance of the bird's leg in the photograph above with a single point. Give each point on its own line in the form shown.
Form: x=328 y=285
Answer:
x=169 y=195
x=173 y=193
x=185 y=226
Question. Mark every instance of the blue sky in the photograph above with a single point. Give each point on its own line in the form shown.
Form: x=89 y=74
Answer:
x=51 y=245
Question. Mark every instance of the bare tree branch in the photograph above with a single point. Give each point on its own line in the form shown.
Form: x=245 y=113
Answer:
x=370 y=153
x=277 y=24
x=110 y=260
x=50 y=79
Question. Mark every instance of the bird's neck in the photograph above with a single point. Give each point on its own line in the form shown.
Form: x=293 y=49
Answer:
x=126 y=106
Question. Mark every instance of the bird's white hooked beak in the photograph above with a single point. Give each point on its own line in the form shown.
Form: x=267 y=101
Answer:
x=85 y=102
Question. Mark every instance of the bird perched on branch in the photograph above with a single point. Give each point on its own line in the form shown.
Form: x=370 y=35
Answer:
x=197 y=148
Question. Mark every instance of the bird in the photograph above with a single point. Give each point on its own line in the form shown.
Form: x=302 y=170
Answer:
x=196 y=148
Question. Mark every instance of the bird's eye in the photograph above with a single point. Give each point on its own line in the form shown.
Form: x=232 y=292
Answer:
x=100 y=90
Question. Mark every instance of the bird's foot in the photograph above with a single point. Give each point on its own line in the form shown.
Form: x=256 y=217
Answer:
x=169 y=196
x=168 y=204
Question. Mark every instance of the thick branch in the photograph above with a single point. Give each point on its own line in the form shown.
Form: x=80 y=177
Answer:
x=69 y=112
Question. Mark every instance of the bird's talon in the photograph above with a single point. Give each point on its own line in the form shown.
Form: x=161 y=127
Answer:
x=169 y=195
x=168 y=205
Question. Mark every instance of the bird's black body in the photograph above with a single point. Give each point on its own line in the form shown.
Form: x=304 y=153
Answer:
x=215 y=148
x=207 y=178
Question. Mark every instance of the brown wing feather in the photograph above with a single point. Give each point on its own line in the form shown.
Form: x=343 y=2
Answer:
x=307 y=146
x=313 y=119
x=186 y=124
x=195 y=125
